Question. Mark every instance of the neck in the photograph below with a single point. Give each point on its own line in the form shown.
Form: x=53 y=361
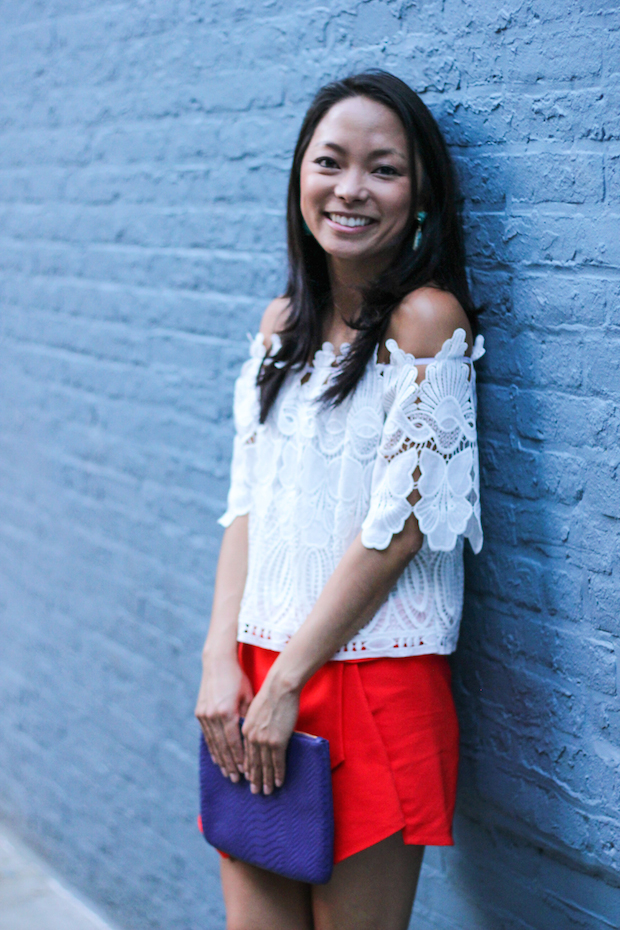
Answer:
x=347 y=280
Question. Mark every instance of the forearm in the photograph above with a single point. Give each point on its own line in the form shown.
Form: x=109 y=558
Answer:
x=357 y=588
x=225 y=691
x=230 y=580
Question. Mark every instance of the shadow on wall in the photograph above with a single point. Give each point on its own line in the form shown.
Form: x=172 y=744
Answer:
x=529 y=849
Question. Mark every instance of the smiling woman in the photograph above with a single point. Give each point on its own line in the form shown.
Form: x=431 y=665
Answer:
x=354 y=483
x=356 y=189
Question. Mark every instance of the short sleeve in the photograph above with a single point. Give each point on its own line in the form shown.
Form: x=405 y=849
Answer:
x=246 y=417
x=428 y=443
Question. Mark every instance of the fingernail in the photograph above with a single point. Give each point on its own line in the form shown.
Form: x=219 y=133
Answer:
x=234 y=778
x=254 y=789
x=240 y=767
x=266 y=790
x=278 y=783
x=224 y=772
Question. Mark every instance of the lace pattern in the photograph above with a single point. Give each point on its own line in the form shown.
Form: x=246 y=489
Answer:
x=312 y=478
x=246 y=411
x=430 y=429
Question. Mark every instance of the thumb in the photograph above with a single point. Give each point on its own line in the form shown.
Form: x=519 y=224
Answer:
x=246 y=696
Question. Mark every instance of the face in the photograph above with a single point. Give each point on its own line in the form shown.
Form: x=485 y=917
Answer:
x=356 y=181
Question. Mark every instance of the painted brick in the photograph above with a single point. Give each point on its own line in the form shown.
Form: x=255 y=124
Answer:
x=577 y=301
x=603 y=366
x=537 y=55
x=144 y=152
x=562 y=418
x=556 y=177
x=603 y=601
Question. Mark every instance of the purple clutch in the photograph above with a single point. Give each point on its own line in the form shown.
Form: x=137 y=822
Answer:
x=291 y=831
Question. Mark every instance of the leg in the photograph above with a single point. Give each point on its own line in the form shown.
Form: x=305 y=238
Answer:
x=259 y=900
x=373 y=890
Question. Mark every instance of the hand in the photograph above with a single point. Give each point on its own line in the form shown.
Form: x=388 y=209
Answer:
x=266 y=732
x=225 y=694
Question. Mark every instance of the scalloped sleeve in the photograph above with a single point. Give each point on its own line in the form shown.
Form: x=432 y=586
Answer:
x=428 y=444
x=246 y=417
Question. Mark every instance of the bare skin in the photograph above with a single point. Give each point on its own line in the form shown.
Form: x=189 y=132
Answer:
x=356 y=166
x=373 y=890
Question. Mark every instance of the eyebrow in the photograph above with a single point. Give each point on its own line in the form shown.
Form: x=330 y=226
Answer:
x=376 y=153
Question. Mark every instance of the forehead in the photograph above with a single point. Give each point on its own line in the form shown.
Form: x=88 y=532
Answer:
x=361 y=121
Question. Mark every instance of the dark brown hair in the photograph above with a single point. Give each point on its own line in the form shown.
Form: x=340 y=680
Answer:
x=440 y=257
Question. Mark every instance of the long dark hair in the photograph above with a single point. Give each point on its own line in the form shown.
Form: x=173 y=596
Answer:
x=440 y=257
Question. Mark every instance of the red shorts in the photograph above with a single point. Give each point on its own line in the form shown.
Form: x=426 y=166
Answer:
x=393 y=738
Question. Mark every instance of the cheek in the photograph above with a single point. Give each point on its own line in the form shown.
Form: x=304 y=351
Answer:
x=399 y=207
x=312 y=191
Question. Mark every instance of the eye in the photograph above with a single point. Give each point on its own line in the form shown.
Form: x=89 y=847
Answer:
x=387 y=171
x=325 y=161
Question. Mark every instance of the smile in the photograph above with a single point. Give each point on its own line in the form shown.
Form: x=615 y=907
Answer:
x=351 y=222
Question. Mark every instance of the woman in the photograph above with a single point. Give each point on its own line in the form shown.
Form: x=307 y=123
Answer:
x=354 y=481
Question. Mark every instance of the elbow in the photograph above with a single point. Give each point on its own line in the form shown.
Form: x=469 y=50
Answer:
x=409 y=541
x=414 y=544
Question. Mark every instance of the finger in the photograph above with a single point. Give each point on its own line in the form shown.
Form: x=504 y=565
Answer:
x=235 y=743
x=217 y=749
x=214 y=743
x=278 y=762
x=246 y=697
x=244 y=704
x=208 y=735
x=204 y=730
x=267 y=767
x=246 y=751
x=254 y=769
x=228 y=764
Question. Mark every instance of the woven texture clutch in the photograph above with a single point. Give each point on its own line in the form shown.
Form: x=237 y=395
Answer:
x=290 y=831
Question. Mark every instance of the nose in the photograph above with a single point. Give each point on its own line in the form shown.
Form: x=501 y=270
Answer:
x=351 y=187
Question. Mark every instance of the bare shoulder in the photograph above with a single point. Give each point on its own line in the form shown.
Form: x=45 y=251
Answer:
x=425 y=319
x=273 y=318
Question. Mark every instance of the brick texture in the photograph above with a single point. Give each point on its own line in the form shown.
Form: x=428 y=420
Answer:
x=144 y=151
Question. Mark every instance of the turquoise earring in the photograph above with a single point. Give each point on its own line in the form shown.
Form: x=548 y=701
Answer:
x=306 y=229
x=417 y=239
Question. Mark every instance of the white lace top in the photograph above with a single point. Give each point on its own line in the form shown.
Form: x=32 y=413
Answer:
x=311 y=478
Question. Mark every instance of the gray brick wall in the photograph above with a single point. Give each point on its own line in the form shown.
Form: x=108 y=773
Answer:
x=144 y=149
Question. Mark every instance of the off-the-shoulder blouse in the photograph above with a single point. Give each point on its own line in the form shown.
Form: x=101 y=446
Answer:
x=312 y=477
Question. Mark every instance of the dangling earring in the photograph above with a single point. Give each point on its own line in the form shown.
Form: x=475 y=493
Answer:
x=417 y=239
x=306 y=228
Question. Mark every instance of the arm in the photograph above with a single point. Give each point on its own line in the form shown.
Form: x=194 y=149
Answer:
x=225 y=691
x=357 y=588
x=360 y=582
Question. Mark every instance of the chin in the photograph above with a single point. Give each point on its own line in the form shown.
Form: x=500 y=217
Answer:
x=352 y=249
x=350 y=254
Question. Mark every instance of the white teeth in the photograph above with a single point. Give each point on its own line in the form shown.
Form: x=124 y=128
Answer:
x=343 y=220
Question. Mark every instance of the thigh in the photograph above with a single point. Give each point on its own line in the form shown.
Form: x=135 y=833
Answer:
x=372 y=890
x=259 y=900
